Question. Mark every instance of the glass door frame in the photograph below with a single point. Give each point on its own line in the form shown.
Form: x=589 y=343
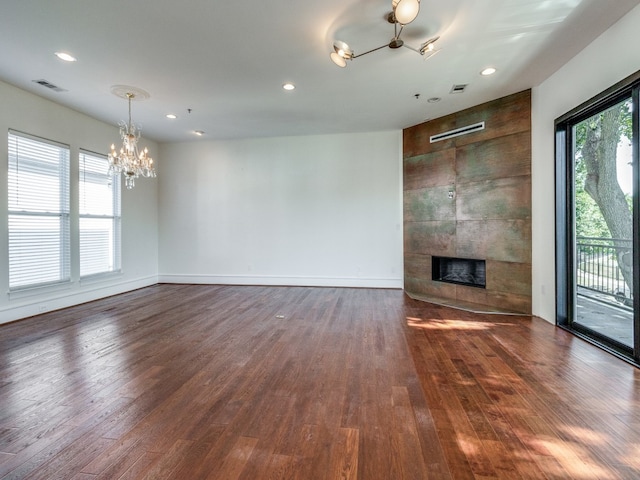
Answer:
x=565 y=250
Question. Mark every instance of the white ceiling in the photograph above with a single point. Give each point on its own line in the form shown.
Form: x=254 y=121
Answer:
x=228 y=61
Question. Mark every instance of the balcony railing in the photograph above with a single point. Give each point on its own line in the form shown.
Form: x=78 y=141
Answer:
x=597 y=266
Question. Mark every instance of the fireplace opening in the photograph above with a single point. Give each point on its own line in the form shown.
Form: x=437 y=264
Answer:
x=461 y=271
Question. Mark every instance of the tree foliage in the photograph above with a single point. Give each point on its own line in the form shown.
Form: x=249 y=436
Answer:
x=602 y=208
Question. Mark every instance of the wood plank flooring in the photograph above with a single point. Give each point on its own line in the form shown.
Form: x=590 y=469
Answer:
x=230 y=382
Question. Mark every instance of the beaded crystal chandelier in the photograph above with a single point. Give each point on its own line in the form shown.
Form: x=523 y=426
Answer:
x=129 y=161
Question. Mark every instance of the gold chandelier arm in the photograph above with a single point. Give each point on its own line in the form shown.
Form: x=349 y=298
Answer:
x=395 y=30
x=370 y=51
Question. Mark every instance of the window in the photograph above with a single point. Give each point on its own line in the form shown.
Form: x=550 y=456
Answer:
x=38 y=204
x=597 y=218
x=99 y=216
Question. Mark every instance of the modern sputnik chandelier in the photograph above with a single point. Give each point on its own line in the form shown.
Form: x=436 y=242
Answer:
x=403 y=12
x=129 y=161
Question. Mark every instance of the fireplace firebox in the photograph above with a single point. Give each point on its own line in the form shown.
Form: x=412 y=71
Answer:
x=461 y=271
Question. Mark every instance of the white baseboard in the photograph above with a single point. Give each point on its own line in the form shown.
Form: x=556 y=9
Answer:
x=272 y=280
x=55 y=300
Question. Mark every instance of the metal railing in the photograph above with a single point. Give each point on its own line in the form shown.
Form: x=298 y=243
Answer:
x=597 y=266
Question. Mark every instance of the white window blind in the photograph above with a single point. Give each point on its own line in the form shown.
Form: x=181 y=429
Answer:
x=38 y=204
x=99 y=216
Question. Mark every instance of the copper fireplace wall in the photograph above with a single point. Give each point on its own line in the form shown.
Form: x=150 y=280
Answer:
x=470 y=197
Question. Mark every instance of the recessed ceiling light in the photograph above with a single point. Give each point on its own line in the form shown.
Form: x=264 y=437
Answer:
x=65 y=56
x=434 y=99
x=288 y=86
x=172 y=116
x=199 y=133
x=488 y=71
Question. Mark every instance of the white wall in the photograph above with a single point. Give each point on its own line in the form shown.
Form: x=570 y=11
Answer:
x=29 y=113
x=609 y=59
x=309 y=210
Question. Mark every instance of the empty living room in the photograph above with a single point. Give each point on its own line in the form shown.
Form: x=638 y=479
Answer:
x=325 y=240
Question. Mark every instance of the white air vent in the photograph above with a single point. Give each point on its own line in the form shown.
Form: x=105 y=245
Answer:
x=49 y=85
x=476 y=127
x=459 y=88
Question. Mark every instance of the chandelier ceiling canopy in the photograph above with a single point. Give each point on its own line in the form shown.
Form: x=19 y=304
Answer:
x=129 y=161
x=403 y=13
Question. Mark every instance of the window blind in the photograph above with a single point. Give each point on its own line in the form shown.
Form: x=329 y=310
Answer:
x=38 y=210
x=99 y=216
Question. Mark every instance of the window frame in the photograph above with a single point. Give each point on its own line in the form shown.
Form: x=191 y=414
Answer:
x=62 y=212
x=115 y=216
x=564 y=216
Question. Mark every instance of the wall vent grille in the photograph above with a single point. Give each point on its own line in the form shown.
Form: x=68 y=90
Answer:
x=476 y=127
x=49 y=85
x=459 y=88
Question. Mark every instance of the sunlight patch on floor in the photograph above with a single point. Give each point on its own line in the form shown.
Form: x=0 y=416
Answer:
x=632 y=457
x=576 y=461
x=445 y=324
x=586 y=436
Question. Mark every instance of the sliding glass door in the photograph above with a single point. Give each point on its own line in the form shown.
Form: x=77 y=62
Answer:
x=597 y=218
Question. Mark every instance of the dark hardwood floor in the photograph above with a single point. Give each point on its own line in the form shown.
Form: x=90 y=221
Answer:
x=224 y=382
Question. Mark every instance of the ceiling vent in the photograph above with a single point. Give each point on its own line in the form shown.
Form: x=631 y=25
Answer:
x=459 y=88
x=476 y=127
x=49 y=85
